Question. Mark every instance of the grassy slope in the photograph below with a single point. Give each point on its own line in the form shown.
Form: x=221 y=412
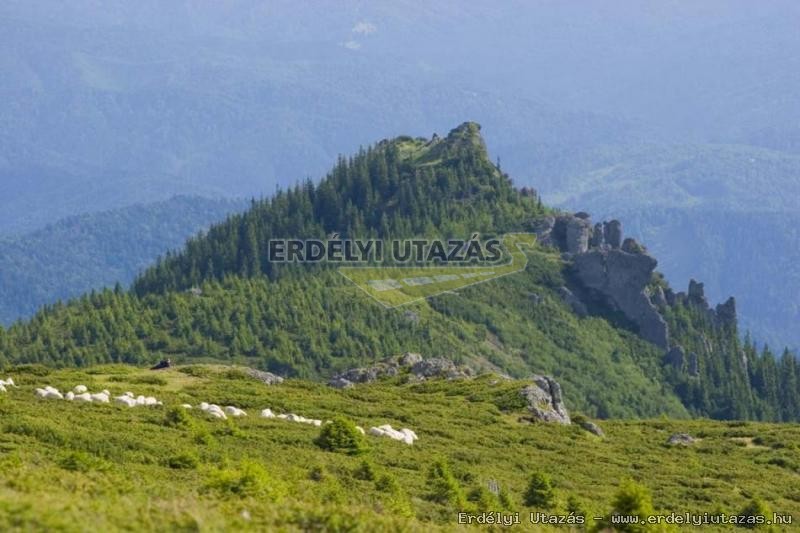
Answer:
x=65 y=465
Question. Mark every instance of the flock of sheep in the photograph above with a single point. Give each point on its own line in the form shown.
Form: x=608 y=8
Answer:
x=81 y=394
x=404 y=435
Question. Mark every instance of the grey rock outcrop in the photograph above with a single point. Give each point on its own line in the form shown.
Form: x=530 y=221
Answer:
x=675 y=357
x=578 y=232
x=613 y=233
x=268 y=378
x=543 y=228
x=616 y=273
x=411 y=363
x=620 y=278
x=438 y=367
x=697 y=294
x=544 y=400
x=410 y=359
x=726 y=312
x=658 y=298
x=593 y=428
x=694 y=365
x=683 y=439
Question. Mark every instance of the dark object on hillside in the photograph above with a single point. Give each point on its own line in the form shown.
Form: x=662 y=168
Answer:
x=164 y=363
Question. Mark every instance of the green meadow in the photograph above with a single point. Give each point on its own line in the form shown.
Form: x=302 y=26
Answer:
x=69 y=466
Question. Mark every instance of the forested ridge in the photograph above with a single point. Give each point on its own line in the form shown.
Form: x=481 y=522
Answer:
x=80 y=253
x=219 y=299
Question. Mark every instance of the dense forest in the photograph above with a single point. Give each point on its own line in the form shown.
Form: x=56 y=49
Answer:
x=219 y=299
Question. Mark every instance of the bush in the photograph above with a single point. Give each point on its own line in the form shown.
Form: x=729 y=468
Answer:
x=177 y=417
x=365 y=471
x=632 y=499
x=387 y=483
x=183 y=461
x=317 y=473
x=539 y=492
x=341 y=435
x=444 y=486
x=751 y=514
x=78 y=461
x=249 y=479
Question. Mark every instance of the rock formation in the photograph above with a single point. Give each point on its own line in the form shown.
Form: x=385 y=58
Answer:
x=544 y=400
x=675 y=357
x=619 y=278
x=411 y=363
x=615 y=273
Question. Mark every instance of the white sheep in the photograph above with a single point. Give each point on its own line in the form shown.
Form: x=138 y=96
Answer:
x=267 y=413
x=214 y=410
x=2 y=388
x=360 y=430
x=234 y=411
x=7 y=383
x=70 y=396
x=410 y=434
x=149 y=400
x=79 y=389
x=105 y=391
x=83 y=397
x=125 y=400
x=186 y=405
x=49 y=393
x=404 y=435
x=101 y=397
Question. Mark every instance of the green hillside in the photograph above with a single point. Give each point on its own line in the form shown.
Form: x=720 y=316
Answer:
x=307 y=321
x=81 y=253
x=66 y=465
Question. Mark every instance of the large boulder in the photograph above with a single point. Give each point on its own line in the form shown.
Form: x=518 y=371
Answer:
x=544 y=400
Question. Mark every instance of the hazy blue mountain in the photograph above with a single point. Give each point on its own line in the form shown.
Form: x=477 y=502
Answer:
x=87 y=252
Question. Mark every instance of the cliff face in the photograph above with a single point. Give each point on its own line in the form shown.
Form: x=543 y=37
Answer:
x=618 y=275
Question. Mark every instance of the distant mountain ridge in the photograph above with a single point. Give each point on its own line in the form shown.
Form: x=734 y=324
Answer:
x=90 y=252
